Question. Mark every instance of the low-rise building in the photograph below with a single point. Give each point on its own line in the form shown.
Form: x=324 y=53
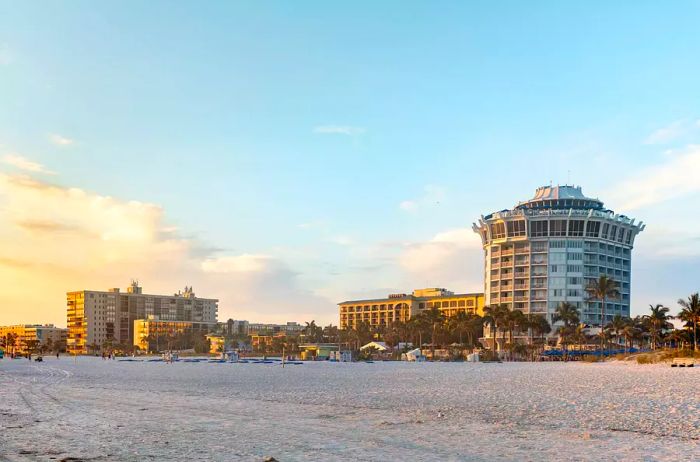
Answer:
x=155 y=334
x=28 y=337
x=402 y=307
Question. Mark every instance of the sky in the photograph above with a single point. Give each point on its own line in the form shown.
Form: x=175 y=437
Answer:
x=285 y=156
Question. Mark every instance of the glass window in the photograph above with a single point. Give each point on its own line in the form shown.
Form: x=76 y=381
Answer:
x=576 y=228
x=539 y=228
x=498 y=230
x=557 y=228
x=592 y=228
x=516 y=228
x=606 y=227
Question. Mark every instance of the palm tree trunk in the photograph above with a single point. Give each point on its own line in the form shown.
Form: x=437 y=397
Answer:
x=602 y=327
x=695 y=334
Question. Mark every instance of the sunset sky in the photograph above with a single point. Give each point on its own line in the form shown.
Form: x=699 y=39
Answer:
x=285 y=156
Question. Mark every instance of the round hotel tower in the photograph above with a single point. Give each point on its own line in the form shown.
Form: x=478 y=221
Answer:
x=546 y=250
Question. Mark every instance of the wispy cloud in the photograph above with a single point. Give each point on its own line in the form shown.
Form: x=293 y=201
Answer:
x=432 y=196
x=339 y=130
x=23 y=163
x=59 y=140
x=676 y=177
x=671 y=132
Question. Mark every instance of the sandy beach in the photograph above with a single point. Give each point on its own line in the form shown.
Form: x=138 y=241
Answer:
x=110 y=410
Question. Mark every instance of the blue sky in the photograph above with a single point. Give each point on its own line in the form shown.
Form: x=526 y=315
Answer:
x=318 y=152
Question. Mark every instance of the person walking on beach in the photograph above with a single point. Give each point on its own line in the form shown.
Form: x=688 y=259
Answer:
x=58 y=353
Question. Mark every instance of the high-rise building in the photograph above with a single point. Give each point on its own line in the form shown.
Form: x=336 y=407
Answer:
x=546 y=251
x=30 y=336
x=96 y=317
x=402 y=307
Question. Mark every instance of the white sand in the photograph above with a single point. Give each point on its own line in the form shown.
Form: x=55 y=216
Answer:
x=109 y=410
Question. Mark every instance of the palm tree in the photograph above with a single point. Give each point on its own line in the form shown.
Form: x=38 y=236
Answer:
x=658 y=321
x=495 y=317
x=691 y=315
x=602 y=289
x=539 y=326
x=630 y=332
x=433 y=318
x=458 y=324
x=514 y=320
x=569 y=315
x=617 y=324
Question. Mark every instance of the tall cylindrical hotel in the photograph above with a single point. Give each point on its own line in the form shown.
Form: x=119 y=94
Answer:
x=547 y=249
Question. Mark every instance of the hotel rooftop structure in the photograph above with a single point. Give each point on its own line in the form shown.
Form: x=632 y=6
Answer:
x=545 y=251
x=96 y=317
x=382 y=312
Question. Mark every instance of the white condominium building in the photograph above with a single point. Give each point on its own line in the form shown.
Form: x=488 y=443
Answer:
x=546 y=250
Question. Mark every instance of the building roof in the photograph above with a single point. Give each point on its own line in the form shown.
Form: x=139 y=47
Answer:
x=409 y=297
x=381 y=346
x=560 y=196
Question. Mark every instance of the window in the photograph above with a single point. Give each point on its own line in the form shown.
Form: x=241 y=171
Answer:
x=575 y=280
x=498 y=231
x=606 y=227
x=574 y=268
x=558 y=228
x=421 y=305
x=613 y=232
x=453 y=304
x=576 y=228
x=516 y=228
x=556 y=292
x=461 y=303
x=621 y=235
x=556 y=268
x=573 y=293
x=539 y=228
x=592 y=228
x=574 y=244
x=557 y=244
x=575 y=256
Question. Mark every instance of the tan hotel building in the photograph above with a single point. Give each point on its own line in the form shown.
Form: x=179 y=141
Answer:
x=96 y=317
x=402 y=307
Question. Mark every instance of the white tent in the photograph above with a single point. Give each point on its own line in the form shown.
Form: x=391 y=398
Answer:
x=413 y=355
x=379 y=346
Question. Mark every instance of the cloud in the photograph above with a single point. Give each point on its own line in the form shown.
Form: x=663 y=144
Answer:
x=238 y=264
x=340 y=240
x=67 y=238
x=674 y=178
x=672 y=132
x=339 y=130
x=59 y=140
x=23 y=163
x=432 y=196
x=451 y=259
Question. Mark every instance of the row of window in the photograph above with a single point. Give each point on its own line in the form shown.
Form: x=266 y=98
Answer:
x=554 y=228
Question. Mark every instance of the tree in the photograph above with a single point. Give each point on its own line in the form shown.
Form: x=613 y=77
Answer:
x=658 y=322
x=513 y=320
x=568 y=314
x=602 y=289
x=617 y=324
x=539 y=326
x=691 y=315
x=495 y=317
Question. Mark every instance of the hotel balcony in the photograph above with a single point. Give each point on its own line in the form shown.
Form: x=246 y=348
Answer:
x=506 y=253
x=522 y=251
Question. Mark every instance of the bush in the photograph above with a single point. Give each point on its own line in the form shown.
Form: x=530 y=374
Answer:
x=646 y=359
